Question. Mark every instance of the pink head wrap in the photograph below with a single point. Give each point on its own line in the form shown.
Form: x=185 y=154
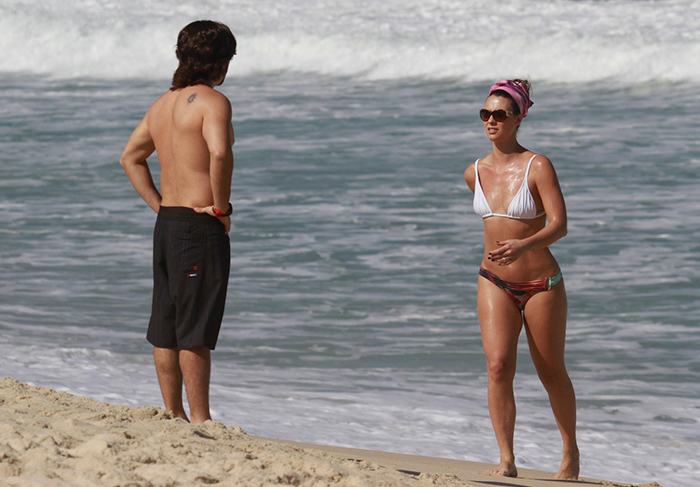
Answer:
x=517 y=91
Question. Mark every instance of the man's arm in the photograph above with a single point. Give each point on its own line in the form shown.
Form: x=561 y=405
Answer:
x=218 y=134
x=139 y=147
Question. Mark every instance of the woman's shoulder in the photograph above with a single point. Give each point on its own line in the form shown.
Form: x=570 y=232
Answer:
x=470 y=173
x=471 y=166
x=539 y=162
x=481 y=161
x=537 y=157
x=542 y=169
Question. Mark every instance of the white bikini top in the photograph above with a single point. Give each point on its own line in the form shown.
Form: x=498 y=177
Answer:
x=521 y=208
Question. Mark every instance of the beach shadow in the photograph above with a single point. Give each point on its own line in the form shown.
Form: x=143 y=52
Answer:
x=502 y=483
x=204 y=435
x=569 y=481
x=409 y=472
x=493 y=482
x=576 y=482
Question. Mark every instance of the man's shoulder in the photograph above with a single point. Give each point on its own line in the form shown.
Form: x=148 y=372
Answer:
x=205 y=98
x=156 y=109
x=163 y=100
x=205 y=93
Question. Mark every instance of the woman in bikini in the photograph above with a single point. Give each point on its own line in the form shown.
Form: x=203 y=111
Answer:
x=517 y=193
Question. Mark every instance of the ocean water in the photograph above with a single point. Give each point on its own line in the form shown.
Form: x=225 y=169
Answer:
x=351 y=317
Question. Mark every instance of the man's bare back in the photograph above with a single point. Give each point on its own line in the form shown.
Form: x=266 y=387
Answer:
x=190 y=130
x=189 y=127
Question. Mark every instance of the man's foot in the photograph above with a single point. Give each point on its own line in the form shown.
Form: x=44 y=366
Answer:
x=180 y=414
x=569 y=466
x=504 y=469
x=199 y=420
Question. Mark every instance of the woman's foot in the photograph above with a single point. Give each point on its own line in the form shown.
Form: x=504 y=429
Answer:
x=569 y=468
x=504 y=469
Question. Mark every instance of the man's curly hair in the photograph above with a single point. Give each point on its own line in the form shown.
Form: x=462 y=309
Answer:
x=204 y=49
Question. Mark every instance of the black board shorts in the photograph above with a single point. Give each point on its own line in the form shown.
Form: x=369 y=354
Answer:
x=191 y=264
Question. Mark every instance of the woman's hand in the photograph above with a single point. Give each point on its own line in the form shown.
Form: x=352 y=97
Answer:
x=508 y=251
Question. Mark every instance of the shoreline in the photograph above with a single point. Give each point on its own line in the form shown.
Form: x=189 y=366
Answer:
x=471 y=473
x=59 y=439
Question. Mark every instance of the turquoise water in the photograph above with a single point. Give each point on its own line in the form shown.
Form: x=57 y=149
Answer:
x=351 y=317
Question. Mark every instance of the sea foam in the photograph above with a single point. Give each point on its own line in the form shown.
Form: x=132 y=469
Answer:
x=624 y=41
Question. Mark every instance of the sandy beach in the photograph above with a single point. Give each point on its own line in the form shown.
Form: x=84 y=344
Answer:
x=51 y=438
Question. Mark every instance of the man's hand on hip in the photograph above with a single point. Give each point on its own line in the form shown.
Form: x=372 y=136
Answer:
x=209 y=210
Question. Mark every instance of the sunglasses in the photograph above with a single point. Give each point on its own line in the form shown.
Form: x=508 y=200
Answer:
x=498 y=115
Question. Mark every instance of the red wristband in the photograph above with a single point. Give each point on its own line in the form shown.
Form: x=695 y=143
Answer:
x=218 y=212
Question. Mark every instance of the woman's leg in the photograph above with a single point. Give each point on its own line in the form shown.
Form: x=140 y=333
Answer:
x=545 y=323
x=501 y=323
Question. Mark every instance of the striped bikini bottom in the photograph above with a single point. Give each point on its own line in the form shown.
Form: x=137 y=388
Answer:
x=521 y=292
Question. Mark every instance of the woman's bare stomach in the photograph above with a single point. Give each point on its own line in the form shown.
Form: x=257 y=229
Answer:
x=532 y=265
x=536 y=264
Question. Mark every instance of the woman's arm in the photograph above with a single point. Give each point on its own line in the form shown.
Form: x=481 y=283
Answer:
x=470 y=176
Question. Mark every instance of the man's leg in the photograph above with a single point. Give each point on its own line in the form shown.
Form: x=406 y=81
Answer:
x=170 y=379
x=195 y=364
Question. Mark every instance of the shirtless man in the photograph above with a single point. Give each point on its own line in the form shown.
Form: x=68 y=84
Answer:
x=189 y=128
